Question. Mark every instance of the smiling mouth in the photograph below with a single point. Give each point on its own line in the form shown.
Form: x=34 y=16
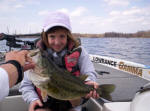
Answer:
x=57 y=47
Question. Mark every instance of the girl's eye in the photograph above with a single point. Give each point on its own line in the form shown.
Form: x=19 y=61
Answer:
x=62 y=36
x=52 y=36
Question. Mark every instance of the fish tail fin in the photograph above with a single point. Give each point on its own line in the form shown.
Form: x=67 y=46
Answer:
x=105 y=90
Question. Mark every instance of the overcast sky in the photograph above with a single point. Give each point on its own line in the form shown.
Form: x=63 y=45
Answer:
x=87 y=16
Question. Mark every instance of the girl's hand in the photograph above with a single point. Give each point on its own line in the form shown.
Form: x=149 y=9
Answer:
x=35 y=103
x=93 y=93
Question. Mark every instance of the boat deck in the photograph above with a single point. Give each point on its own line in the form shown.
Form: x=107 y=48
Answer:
x=126 y=84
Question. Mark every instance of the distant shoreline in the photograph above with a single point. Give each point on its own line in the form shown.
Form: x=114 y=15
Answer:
x=139 y=34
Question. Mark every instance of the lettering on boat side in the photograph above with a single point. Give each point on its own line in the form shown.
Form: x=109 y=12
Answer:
x=104 y=61
x=135 y=70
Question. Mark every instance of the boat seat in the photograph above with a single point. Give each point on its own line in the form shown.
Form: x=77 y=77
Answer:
x=117 y=106
x=13 y=103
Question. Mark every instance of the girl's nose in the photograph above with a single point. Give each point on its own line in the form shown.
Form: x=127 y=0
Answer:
x=57 y=41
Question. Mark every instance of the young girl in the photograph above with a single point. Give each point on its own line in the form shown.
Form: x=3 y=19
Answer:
x=66 y=52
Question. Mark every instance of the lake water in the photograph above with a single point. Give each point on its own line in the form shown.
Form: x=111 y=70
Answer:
x=132 y=49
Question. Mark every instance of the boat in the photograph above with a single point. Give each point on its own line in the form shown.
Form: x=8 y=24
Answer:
x=129 y=77
x=132 y=92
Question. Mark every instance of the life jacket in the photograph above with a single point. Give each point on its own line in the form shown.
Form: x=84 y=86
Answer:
x=71 y=61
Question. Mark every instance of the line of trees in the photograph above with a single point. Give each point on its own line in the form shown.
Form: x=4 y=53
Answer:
x=139 y=34
x=128 y=35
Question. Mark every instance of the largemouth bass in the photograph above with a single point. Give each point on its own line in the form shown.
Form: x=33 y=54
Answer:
x=59 y=83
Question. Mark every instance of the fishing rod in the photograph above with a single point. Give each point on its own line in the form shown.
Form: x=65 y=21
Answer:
x=12 y=42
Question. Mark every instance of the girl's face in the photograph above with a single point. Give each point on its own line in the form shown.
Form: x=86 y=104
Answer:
x=57 y=40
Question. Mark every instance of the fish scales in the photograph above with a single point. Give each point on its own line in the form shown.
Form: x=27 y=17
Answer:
x=62 y=76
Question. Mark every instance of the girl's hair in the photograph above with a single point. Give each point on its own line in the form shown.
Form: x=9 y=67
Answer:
x=53 y=29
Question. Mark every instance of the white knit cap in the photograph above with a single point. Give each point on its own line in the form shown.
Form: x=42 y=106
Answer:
x=57 y=19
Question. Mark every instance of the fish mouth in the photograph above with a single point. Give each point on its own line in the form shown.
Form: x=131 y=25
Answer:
x=33 y=52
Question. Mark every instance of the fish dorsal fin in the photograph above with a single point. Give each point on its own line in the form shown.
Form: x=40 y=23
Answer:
x=83 y=77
